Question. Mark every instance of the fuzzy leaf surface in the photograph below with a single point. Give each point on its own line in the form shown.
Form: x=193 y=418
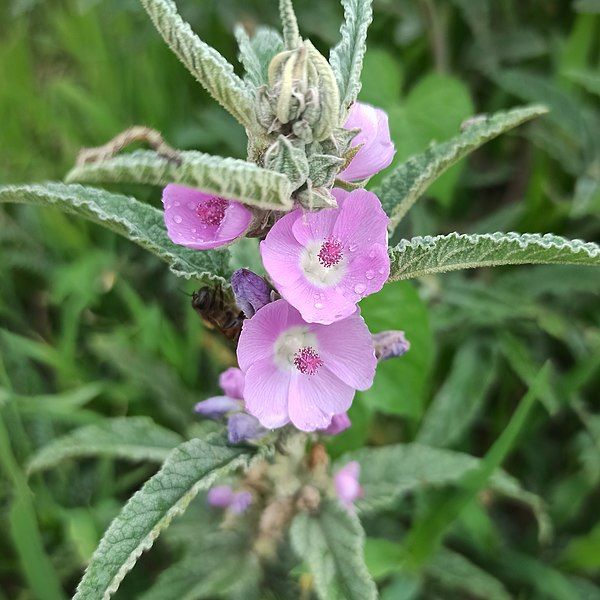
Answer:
x=135 y=220
x=129 y=438
x=190 y=468
x=209 y=67
x=347 y=55
x=257 y=52
x=427 y=255
x=331 y=543
x=407 y=183
x=229 y=178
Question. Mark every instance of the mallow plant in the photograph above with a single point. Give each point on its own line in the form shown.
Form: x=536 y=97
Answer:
x=274 y=506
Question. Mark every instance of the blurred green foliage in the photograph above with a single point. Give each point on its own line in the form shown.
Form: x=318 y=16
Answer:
x=91 y=327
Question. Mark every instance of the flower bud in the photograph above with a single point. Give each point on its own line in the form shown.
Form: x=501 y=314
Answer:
x=242 y=427
x=389 y=344
x=251 y=291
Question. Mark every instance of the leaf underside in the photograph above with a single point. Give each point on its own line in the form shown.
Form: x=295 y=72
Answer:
x=135 y=220
x=227 y=177
x=428 y=255
x=407 y=183
x=191 y=467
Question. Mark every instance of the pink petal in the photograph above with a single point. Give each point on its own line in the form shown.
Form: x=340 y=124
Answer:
x=266 y=393
x=367 y=273
x=261 y=331
x=377 y=150
x=317 y=304
x=362 y=221
x=314 y=225
x=346 y=348
x=281 y=251
x=314 y=399
x=184 y=226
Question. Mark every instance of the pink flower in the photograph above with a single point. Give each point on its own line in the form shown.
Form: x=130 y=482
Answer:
x=301 y=372
x=346 y=484
x=338 y=424
x=223 y=496
x=324 y=262
x=377 y=151
x=231 y=381
x=201 y=221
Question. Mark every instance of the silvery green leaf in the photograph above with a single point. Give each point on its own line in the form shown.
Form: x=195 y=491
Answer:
x=289 y=23
x=427 y=255
x=285 y=157
x=257 y=52
x=206 y=64
x=227 y=177
x=135 y=220
x=190 y=468
x=407 y=183
x=346 y=57
x=390 y=472
x=322 y=169
x=331 y=543
x=129 y=438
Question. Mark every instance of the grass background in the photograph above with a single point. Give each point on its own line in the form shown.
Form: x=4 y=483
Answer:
x=91 y=327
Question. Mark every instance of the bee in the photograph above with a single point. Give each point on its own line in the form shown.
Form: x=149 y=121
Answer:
x=218 y=311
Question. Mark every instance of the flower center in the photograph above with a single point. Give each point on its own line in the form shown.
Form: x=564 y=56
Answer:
x=307 y=361
x=212 y=211
x=330 y=253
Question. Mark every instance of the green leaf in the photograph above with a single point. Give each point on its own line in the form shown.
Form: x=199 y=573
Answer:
x=220 y=565
x=400 y=383
x=190 y=468
x=427 y=255
x=129 y=438
x=390 y=472
x=433 y=111
x=459 y=400
x=407 y=183
x=382 y=78
x=211 y=69
x=346 y=57
x=331 y=543
x=455 y=572
x=138 y=222
x=257 y=52
x=227 y=177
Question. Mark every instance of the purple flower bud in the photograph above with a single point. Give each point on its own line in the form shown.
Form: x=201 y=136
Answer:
x=232 y=383
x=243 y=427
x=240 y=502
x=251 y=291
x=220 y=496
x=338 y=424
x=217 y=406
x=346 y=484
x=389 y=344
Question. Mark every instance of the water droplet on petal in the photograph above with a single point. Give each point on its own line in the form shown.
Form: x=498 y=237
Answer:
x=370 y=274
x=353 y=247
x=177 y=203
x=318 y=305
x=194 y=230
x=382 y=270
x=372 y=254
x=177 y=219
x=359 y=288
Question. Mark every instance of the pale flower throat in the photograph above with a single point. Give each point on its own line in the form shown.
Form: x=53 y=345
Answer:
x=297 y=348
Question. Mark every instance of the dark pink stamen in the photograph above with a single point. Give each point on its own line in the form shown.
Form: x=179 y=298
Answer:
x=212 y=211
x=307 y=361
x=330 y=253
